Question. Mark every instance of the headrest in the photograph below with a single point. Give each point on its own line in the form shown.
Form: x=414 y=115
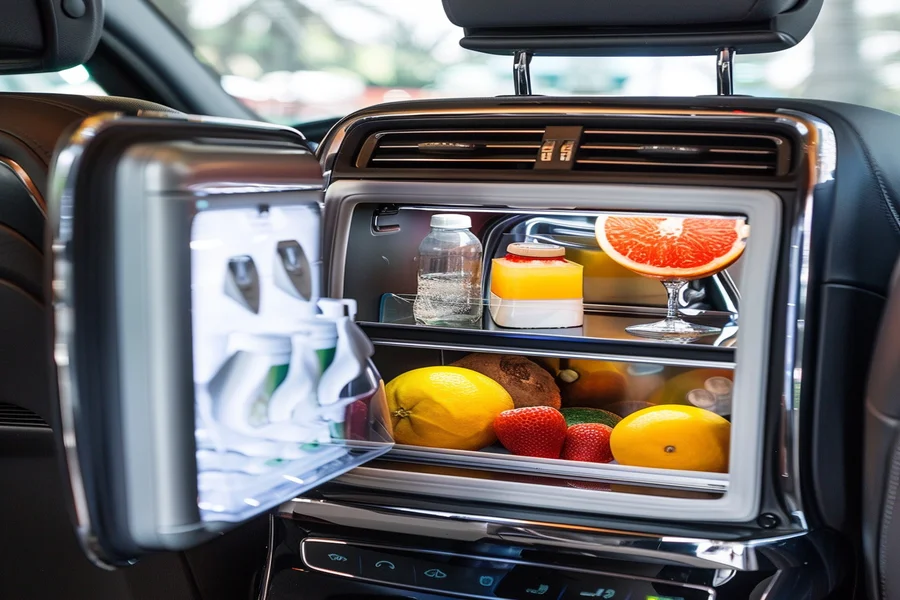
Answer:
x=632 y=27
x=48 y=35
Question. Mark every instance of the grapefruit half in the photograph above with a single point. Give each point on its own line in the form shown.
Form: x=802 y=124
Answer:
x=672 y=248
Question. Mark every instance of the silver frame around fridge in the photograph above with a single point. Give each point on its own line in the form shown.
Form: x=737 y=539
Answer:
x=764 y=211
x=818 y=145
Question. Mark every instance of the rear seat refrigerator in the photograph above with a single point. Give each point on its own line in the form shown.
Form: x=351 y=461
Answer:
x=670 y=414
x=234 y=345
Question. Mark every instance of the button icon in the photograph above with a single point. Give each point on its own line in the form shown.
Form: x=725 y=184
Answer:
x=337 y=558
x=385 y=564
x=605 y=593
x=435 y=574
x=486 y=581
x=539 y=590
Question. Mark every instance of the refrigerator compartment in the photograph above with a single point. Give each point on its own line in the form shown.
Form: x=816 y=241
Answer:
x=585 y=391
x=367 y=263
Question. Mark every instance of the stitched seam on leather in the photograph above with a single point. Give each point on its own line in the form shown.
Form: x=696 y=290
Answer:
x=887 y=518
x=53 y=102
x=751 y=9
x=31 y=143
x=885 y=196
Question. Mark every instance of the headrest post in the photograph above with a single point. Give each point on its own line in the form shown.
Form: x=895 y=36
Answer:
x=725 y=72
x=522 y=72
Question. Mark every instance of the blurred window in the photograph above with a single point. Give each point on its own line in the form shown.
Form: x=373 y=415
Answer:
x=299 y=60
x=76 y=81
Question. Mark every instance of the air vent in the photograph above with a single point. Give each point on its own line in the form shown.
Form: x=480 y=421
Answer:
x=505 y=149
x=683 y=152
x=17 y=416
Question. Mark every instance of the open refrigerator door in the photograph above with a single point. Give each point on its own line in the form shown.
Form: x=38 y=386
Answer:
x=203 y=377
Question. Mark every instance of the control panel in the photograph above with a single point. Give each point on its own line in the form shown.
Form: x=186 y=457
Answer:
x=482 y=577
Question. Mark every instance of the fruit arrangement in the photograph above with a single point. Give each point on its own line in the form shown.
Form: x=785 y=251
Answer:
x=483 y=399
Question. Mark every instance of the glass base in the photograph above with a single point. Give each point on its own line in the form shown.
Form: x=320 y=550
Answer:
x=673 y=329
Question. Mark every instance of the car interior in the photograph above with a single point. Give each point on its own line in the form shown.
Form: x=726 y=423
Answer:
x=522 y=347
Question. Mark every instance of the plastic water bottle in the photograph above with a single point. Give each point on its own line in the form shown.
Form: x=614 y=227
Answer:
x=449 y=276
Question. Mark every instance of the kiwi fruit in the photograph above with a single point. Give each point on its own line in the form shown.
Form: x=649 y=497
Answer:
x=523 y=379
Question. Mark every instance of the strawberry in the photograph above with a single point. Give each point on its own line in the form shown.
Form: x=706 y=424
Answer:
x=532 y=431
x=588 y=442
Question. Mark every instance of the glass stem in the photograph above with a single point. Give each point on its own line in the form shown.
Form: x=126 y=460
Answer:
x=672 y=289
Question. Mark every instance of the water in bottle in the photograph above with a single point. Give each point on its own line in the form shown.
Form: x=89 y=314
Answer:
x=449 y=275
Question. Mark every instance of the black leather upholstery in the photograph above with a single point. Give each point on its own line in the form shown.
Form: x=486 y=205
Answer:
x=578 y=13
x=42 y=557
x=882 y=455
x=640 y=28
x=48 y=35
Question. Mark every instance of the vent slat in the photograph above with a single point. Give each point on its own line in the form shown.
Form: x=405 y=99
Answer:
x=673 y=152
x=492 y=149
x=12 y=415
x=651 y=163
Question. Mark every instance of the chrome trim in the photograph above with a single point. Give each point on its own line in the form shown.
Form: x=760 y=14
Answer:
x=270 y=555
x=751 y=136
x=381 y=134
x=819 y=145
x=524 y=145
x=672 y=362
x=744 y=554
x=492 y=559
x=822 y=158
x=453 y=160
x=725 y=72
x=25 y=179
x=654 y=163
x=61 y=193
x=522 y=72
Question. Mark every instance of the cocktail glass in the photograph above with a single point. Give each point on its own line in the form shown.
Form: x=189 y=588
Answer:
x=674 y=250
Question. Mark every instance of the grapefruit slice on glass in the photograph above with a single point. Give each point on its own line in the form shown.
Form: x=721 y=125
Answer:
x=674 y=250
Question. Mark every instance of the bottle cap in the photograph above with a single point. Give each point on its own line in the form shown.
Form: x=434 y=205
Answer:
x=701 y=399
x=451 y=221
x=536 y=250
x=719 y=386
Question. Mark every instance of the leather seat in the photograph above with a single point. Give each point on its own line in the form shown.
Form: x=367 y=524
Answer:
x=42 y=557
x=882 y=455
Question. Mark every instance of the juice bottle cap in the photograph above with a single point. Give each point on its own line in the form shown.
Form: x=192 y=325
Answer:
x=536 y=250
x=451 y=221
x=701 y=398
x=720 y=386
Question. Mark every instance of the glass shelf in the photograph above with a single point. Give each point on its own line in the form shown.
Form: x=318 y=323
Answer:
x=602 y=324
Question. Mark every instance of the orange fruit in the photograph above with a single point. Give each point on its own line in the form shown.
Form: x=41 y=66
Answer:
x=445 y=407
x=672 y=248
x=673 y=436
x=587 y=383
x=676 y=388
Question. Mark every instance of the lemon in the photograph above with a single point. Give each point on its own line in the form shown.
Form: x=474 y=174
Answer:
x=672 y=436
x=445 y=407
